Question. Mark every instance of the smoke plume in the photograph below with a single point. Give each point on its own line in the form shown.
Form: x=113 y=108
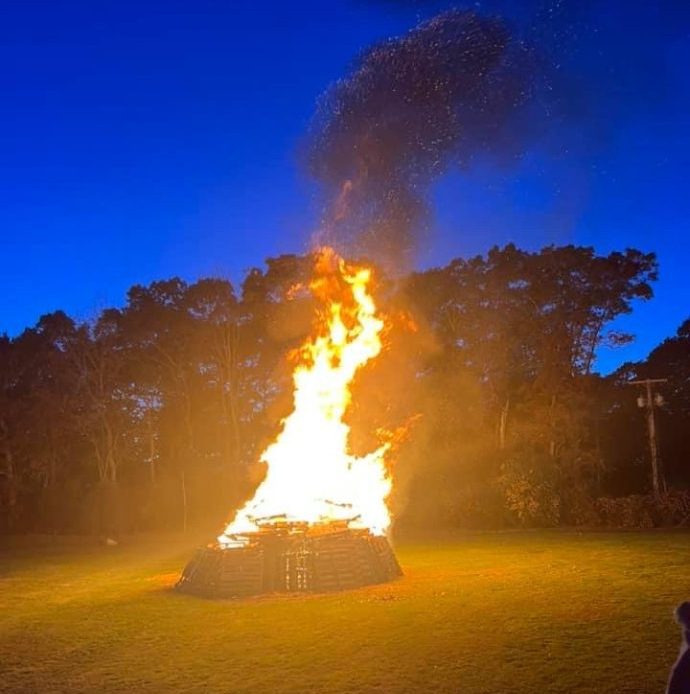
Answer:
x=411 y=107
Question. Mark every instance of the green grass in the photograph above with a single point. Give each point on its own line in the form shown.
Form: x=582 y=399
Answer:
x=527 y=612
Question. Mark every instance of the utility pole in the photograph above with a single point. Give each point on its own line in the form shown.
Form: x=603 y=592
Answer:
x=649 y=401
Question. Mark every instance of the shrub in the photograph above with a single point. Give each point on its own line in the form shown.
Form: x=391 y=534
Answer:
x=533 y=502
x=625 y=512
x=645 y=511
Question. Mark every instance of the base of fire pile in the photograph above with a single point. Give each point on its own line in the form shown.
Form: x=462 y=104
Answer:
x=291 y=559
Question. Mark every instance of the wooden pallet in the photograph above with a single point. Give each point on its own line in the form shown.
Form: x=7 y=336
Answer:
x=288 y=560
x=218 y=573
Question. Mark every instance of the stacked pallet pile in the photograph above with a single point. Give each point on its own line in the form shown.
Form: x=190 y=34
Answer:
x=291 y=558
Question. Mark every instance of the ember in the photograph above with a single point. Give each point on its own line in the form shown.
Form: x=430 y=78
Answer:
x=318 y=520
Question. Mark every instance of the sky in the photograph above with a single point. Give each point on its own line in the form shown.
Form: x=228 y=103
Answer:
x=154 y=139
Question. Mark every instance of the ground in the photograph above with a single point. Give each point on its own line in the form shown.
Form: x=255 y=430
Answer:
x=515 y=612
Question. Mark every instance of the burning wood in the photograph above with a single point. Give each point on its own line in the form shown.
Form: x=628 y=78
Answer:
x=311 y=476
x=318 y=520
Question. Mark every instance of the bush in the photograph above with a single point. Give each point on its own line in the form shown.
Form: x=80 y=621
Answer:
x=645 y=511
x=625 y=512
x=533 y=502
x=674 y=508
x=580 y=509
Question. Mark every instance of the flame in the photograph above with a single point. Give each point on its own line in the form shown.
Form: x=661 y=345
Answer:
x=310 y=476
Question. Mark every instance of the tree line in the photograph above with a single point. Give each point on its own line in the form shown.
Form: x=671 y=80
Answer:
x=153 y=416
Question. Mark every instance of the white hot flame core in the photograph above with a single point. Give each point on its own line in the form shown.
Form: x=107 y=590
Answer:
x=310 y=475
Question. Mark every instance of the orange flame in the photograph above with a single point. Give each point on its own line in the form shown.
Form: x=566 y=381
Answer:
x=310 y=476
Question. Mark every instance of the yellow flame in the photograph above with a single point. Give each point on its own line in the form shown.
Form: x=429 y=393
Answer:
x=310 y=476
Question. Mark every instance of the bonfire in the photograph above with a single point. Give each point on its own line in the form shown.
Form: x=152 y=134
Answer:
x=319 y=519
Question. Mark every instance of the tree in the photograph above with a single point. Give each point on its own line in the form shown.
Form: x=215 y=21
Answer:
x=488 y=365
x=527 y=326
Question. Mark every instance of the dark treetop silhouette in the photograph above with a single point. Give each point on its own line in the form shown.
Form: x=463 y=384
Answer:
x=153 y=415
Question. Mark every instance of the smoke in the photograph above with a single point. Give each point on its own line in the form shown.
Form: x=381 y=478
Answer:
x=450 y=90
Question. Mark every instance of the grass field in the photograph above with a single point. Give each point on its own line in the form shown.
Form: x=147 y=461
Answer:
x=528 y=612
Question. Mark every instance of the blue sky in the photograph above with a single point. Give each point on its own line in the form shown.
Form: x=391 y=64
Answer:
x=151 y=139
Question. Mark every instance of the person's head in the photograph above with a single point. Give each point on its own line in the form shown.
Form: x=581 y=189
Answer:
x=682 y=615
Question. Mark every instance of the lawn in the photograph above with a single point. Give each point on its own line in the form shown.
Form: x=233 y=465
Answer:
x=515 y=612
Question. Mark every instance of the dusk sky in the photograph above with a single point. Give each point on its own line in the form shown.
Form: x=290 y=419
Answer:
x=142 y=141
